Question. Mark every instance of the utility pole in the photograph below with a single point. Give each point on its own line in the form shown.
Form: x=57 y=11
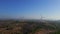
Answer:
x=41 y=18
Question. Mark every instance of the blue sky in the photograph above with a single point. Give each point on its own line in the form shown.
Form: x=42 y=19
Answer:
x=30 y=9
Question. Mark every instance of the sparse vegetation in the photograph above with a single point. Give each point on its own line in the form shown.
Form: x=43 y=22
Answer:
x=28 y=27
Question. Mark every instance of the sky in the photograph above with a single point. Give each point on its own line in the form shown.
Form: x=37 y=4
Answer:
x=30 y=9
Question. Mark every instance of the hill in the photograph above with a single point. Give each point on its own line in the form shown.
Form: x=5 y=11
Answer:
x=29 y=27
